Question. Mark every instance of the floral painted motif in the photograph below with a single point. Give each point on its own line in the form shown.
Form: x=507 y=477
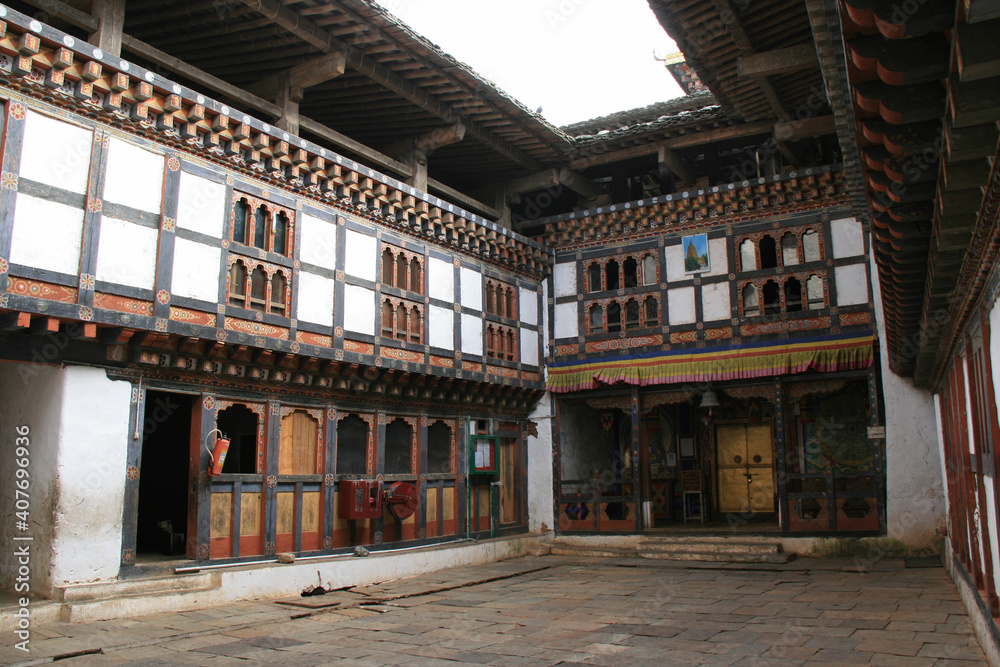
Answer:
x=208 y=403
x=17 y=111
x=3 y=266
x=163 y=296
x=8 y=181
x=87 y=281
x=94 y=205
x=161 y=324
x=132 y=473
x=168 y=224
x=173 y=164
x=86 y=314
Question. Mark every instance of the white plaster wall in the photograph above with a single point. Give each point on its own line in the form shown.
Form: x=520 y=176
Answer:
x=472 y=288
x=134 y=176
x=441 y=329
x=201 y=205
x=472 y=335
x=359 y=309
x=564 y=278
x=196 y=270
x=318 y=244
x=540 y=500
x=56 y=153
x=915 y=503
x=715 y=302
x=675 y=262
x=78 y=442
x=718 y=257
x=360 y=255
x=126 y=254
x=527 y=304
x=847 y=237
x=441 y=278
x=680 y=305
x=47 y=235
x=529 y=347
x=315 y=298
x=567 y=324
x=852 y=284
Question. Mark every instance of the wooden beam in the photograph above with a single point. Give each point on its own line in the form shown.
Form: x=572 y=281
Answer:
x=978 y=56
x=43 y=325
x=794 y=130
x=111 y=17
x=683 y=141
x=579 y=184
x=306 y=74
x=463 y=200
x=438 y=138
x=288 y=98
x=14 y=321
x=370 y=154
x=357 y=60
x=676 y=164
x=543 y=179
x=779 y=61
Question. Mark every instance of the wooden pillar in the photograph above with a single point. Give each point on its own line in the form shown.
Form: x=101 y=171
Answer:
x=288 y=99
x=111 y=15
x=417 y=160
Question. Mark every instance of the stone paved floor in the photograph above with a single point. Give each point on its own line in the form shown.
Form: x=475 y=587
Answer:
x=563 y=611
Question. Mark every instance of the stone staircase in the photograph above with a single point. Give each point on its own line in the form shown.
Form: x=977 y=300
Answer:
x=698 y=549
x=118 y=599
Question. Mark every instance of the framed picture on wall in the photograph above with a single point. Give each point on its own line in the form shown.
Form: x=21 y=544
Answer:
x=685 y=445
x=483 y=455
x=695 y=249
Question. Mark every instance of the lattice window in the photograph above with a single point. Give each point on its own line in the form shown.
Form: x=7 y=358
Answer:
x=501 y=299
x=402 y=269
x=258 y=285
x=594 y=277
x=501 y=342
x=401 y=319
x=261 y=224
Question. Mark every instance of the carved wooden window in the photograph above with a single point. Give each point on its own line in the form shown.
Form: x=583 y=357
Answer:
x=241 y=425
x=353 y=434
x=402 y=269
x=261 y=224
x=772 y=298
x=596 y=318
x=748 y=256
x=611 y=275
x=398 y=448
x=501 y=342
x=631 y=272
x=793 y=295
x=768 y=253
x=439 y=448
x=258 y=289
x=401 y=319
x=814 y=292
x=614 y=317
x=594 y=277
x=649 y=276
x=810 y=246
x=277 y=299
x=751 y=301
x=789 y=249
x=652 y=314
x=237 y=286
x=501 y=299
x=632 y=314
x=300 y=445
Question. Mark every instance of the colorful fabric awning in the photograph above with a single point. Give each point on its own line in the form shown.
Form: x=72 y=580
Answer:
x=731 y=362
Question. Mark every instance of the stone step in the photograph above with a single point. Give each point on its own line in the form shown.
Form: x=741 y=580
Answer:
x=558 y=549
x=717 y=557
x=133 y=587
x=138 y=604
x=712 y=547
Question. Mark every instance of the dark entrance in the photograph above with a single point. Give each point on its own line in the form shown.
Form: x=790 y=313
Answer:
x=161 y=521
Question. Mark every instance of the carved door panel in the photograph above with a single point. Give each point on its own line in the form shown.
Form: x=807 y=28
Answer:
x=745 y=467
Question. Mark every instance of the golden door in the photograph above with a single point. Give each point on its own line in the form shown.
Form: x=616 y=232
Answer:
x=745 y=467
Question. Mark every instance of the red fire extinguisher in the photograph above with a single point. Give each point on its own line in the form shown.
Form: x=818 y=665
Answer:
x=217 y=453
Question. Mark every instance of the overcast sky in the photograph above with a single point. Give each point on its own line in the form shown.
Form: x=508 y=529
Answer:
x=577 y=59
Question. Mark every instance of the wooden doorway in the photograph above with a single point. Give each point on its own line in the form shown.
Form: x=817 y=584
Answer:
x=510 y=481
x=745 y=467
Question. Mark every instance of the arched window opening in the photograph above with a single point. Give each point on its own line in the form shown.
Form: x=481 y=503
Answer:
x=401 y=270
x=258 y=289
x=415 y=325
x=352 y=446
x=652 y=312
x=772 y=298
x=810 y=246
x=648 y=270
x=238 y=284
x=814 y=292
x=793 y=295
x=416 y=280
x=278 y=284
x=387 y=318
x=789 y=249
x=594 y=277
x=511 y=311
x=768 y=253
x=596 y=318
x=240 y=211
x=611 y=274
x=631 y=272
x=748 y=256
x=751 y=301
x=401 y=322
x=491 y=299
x=297 y=448
x=631 y=314
x=614 y=317
x=491 y=342
x=239 y=424
x=398 y=448
x=388 y=264
x=511 y=351
x=438 y=448
x=260 y=227
x=280 y=233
